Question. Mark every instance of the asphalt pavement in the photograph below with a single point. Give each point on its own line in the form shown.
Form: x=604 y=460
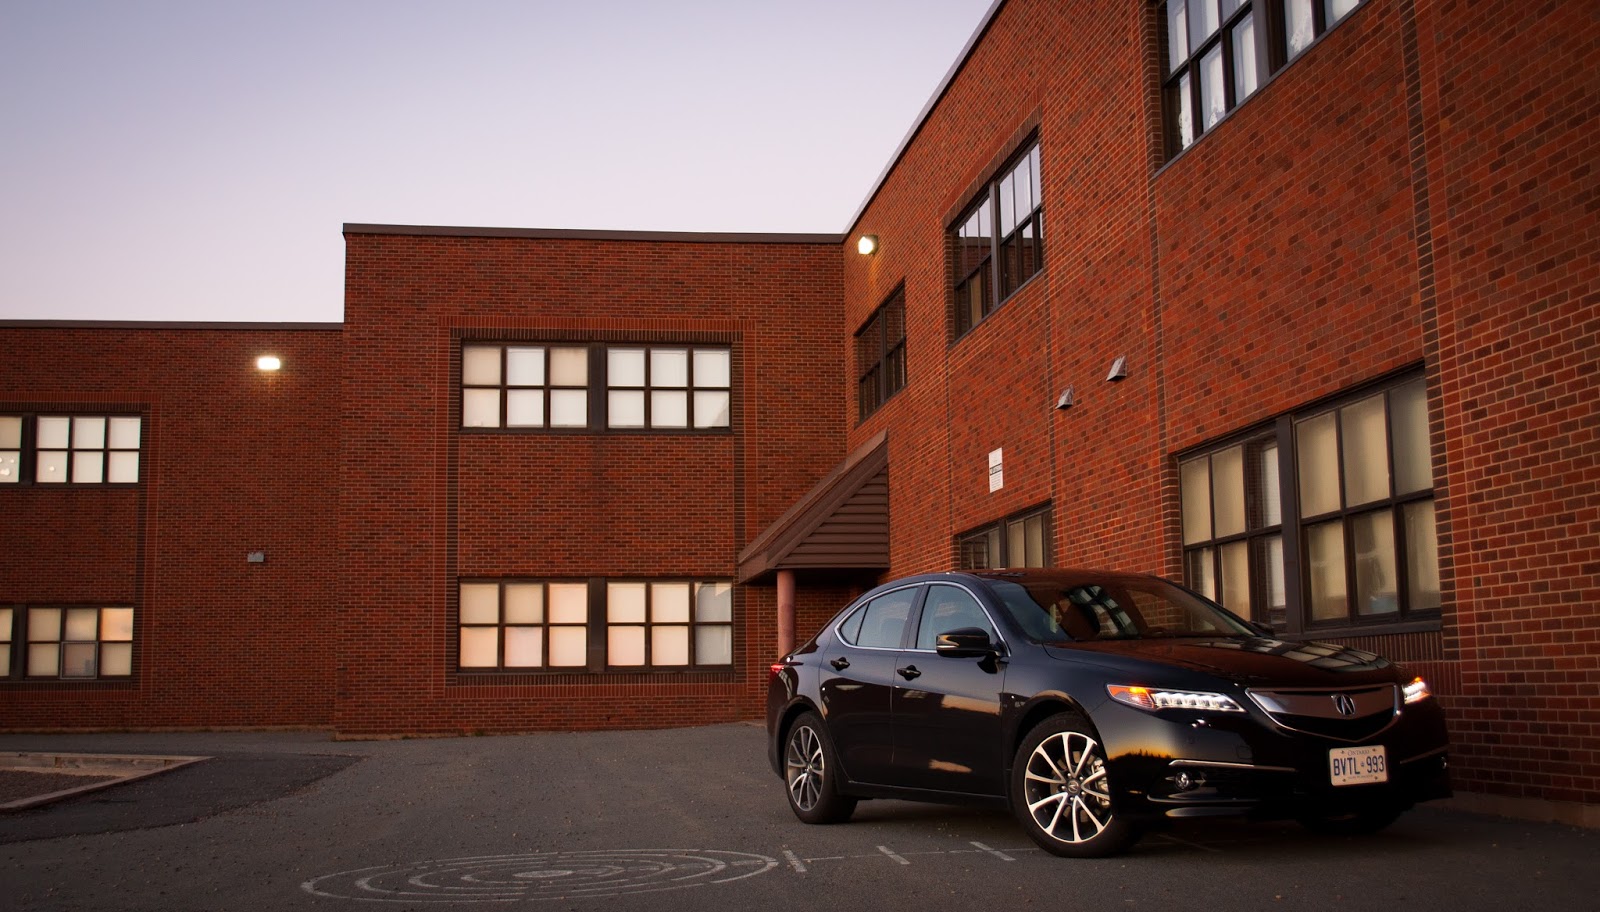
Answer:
x=681 y=819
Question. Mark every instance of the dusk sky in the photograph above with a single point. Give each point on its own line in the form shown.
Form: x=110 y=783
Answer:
x=195 y=159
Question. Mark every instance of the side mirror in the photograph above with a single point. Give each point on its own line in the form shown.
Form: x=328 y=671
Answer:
x=965 y=642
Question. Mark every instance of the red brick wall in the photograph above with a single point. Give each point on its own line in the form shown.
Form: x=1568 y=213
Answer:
x=423 y=504
x=233 y=461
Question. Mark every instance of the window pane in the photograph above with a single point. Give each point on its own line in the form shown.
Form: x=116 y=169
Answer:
x=1298 y=26
x=1201 y=573
x=1016 y=545
x=625 y=408
x=569 y=367
x=1325 y=548
x=625 y=603
x=124 y=434
x=886 y=619
x=569 y=646
x=1270 y=495
x=1244 y=59
x=669 y=603
x=480 y=408
x=1008 y=210
x=44 y=661
x=524 y=367
x=1202 y=20
x=1317 y=442
x=713 y=645
x=88 y=433
x=480 y=603
x=10 y=432
x=669 y=645
x=669 y=367
x=52 y=467
x=713 y=602
x=480 y=366
x=116 y=624
x=53 y=432
x=524 y=647
x=1024 y=188
x=1366 y=451
x=78 y=660
x=1338 y=9
x=479 y=646
x=1422 y=557
x=5 y=662
x=116 y=660
x=1035 y=542
x=1377 y=584
x=44 y=624
x=88 y=467
x=524 y=407
x=1236 y=578
x=83 y=624
x=6 y=615
x=123 y=468
x=10 y=467
x=1177 y=33
x=524 y=603
x=710 y=409
x=569 y=408
x=625 y=646
x=1227 y=491
x=1194 y=480
x=711 y=367
x=569 y=603
x=669 y=408
x=1267 y=554
x=1038 y=179
x=1413 y=455
x=1182 y=104
x=1213 y=98
x=625 y=367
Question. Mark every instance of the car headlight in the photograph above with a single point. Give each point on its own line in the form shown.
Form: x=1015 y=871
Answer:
x=1152 y=700
x=1416 y=691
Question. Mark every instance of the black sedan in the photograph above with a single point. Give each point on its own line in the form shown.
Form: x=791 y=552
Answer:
x=1093 y=705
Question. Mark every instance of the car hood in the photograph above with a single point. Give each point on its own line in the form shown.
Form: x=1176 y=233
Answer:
x=1249 y=661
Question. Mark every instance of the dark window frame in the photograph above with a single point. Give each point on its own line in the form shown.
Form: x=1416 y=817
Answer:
x=18 y=648
x=28 y=449
x=689 y=389
x=881 y=367
x=998 y=533
x=990 y=267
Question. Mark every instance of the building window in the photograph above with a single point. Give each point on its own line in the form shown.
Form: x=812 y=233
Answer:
x=549 y=386
x=667 y=388
x=73 y=643
x=669 y=624
x=69 y=449
x=1218 y=52
x=523 y=624
x=524 y=386
x=881 y=355
x=1003 y=232
x=1363 y=516
x=1022 y=540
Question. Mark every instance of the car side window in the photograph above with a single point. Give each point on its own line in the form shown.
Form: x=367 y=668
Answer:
x=884 y=619
x=950 y=608
x=850 y=627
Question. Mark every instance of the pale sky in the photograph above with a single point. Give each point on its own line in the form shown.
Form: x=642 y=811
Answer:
x=196 y=159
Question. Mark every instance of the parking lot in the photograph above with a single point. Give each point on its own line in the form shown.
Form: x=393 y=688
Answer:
x=679 y=819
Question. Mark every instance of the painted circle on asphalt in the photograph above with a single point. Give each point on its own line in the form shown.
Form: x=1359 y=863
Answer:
x=542 y=875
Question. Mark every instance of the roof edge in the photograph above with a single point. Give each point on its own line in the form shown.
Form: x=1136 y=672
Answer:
x=220 y=325
x=594 y=234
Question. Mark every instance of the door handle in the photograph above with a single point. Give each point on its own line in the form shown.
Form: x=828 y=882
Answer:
x=839 y=664
x=909 y=672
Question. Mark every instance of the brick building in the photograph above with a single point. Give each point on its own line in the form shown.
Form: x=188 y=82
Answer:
x=1295 y=300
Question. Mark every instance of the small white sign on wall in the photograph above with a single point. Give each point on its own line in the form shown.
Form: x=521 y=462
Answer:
x=997 y=475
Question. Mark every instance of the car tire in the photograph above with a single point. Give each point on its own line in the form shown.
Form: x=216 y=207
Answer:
x=811 y=773
x=1360 y=822
x=1061 y=794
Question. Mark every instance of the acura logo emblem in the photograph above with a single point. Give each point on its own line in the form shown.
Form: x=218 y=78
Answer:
x=1345 y=705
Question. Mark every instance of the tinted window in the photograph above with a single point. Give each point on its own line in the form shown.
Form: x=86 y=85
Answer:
x=884 y=619
x=950 y=608
x=1121 y=610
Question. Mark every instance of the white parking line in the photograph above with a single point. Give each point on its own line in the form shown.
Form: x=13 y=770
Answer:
x=885 y=850
x=794 y=862
x=995 y=852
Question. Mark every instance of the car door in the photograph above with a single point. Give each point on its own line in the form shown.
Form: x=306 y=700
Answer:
x=947 y=709
x=857 y=680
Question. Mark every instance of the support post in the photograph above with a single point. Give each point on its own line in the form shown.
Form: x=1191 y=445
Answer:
x=785 y=612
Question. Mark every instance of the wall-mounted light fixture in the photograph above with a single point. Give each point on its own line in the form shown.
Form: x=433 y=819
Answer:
x=868 y=245
x=269 y=362
x=1066 y=400
x=1119 y=370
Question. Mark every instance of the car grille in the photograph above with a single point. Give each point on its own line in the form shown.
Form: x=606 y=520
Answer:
x=1347 y=714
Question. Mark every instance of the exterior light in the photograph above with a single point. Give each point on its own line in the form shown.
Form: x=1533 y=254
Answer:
x=1066 y=400
x=1119 y=370
x=269 y=362
x=868 y=245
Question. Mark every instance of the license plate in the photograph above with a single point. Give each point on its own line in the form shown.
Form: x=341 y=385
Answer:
x=1356 y=765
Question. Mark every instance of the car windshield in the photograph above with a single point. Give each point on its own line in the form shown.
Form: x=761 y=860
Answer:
x=1113 y=609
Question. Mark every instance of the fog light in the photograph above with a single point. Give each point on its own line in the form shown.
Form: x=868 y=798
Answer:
x=1186 y=781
